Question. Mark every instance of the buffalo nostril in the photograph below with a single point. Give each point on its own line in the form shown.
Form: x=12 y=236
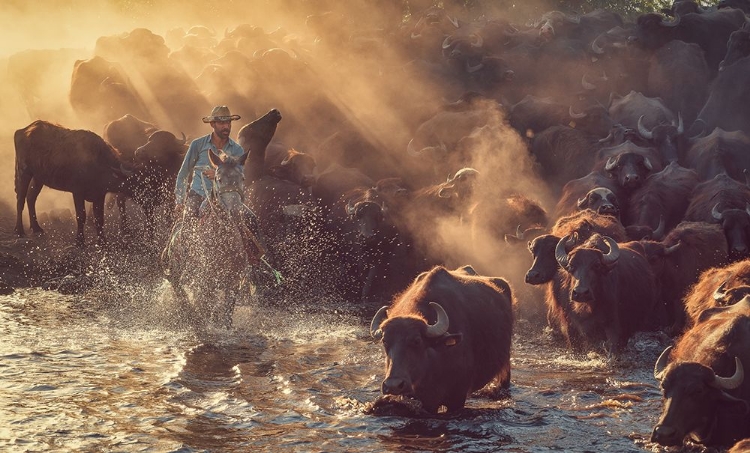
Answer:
x=393 y=386
x=663 y=435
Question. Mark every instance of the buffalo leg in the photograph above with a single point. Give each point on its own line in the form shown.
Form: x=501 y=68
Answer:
x=34 y=188
x=98 y=208
x=122 y=210
x=80 y=205
x=148 y=213
x=22 y=187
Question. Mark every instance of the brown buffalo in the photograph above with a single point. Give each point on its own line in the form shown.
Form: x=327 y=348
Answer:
x=447 y=335
x=611 y=290
x=706 y=395
x=718 y=286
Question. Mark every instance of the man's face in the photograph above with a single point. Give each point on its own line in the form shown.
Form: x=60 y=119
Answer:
x=222 y=128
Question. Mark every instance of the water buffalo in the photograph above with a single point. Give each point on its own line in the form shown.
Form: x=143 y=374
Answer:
x=447 y=335
x=718 y=286
x=705 y=393
x=611 y=290
x=719 y=152
x=76 y=161
x=678 y=261
x=602 y=201
x=576 y=189
x=709 y=30
x=738 y=46
x=663 y=197
x=724 y=201
x=727 y=104
x=156 y=156
x=544 y=268
x=678 y=74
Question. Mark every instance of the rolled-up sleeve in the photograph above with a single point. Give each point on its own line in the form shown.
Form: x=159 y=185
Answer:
x=191 y=157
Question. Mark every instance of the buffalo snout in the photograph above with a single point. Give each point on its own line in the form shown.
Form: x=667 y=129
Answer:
x=396 y=386
x=533 y=277
x=579 y=294
x=665 y=435
x=631 y=181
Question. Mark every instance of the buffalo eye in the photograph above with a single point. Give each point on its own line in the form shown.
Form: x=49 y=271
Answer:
x=416 y=342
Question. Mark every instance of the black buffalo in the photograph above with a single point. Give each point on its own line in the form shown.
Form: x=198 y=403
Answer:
x=76 y=161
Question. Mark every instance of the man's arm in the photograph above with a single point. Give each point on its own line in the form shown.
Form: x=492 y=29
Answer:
x=188 y=164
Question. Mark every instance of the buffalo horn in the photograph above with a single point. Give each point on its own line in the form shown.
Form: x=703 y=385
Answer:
x=184 y=139
x=586 y=84
x=680 y=124
x=747 y=177
x=659 y=231
x=453 y=21
x=581 y=202
x=377 y=320
x=647 y=164
x=747 y=208
x=471 y=69
x=574 y=114
x=441 y=325
x=611 y=163
x=672 y=248
x=614 y=251
x=447 y=42
x=561 y=252
x=720 y=292
x=596 y=48
x=410 y=149
x=607 y=138
x=645 y=133
x=729 y=383
x=661 y=364
x=715 y=212
x=671 y=23
x=477 y=40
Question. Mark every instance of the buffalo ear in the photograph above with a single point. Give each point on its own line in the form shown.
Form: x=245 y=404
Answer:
x=451 y=340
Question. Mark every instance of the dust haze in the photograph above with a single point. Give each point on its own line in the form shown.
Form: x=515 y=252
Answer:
x=328 y=74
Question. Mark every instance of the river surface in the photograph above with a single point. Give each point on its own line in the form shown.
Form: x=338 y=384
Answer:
x=84 y=373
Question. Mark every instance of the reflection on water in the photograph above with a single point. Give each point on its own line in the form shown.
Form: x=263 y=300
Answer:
x=78 y=375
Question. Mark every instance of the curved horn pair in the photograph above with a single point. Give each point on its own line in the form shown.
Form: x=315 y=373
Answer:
x=724 y=383
x=433 y=330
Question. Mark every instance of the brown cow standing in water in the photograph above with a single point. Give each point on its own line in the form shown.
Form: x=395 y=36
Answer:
x=76 y=161
x=446 y=336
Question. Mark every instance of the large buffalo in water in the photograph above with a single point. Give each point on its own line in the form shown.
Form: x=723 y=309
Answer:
x=610 y=290
x=447 y=335
x=75 y=161
x=705 y=393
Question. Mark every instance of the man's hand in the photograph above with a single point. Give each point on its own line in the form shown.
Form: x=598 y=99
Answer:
x=210 y=174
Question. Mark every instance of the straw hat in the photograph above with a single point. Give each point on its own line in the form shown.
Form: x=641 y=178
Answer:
x=220 y=113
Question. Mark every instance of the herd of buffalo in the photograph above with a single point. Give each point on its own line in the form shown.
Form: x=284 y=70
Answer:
x=617 y=150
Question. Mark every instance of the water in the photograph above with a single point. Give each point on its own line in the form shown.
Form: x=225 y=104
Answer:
x=83 y=373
